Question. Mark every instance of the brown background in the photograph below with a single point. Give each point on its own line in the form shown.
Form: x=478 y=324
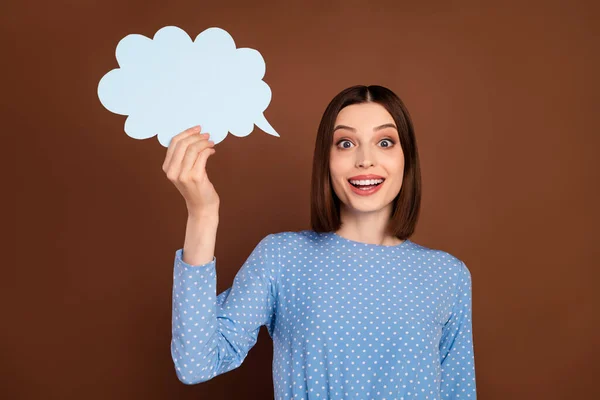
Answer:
x=504 y=99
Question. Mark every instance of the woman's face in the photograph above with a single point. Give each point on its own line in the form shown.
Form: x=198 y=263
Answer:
x=366 y=142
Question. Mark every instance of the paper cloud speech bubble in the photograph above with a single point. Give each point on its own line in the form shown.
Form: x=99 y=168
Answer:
x=168 y=84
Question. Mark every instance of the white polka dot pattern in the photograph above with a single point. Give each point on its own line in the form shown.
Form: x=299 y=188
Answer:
x=349 y=320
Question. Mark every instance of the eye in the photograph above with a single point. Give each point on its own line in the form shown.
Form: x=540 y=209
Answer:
x=348 y=147
x=389 y=140
x=343 y=140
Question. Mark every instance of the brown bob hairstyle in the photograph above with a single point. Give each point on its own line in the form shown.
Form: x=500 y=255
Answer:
x=324 y=203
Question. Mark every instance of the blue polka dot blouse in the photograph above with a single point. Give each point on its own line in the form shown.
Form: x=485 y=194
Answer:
x=349 y=320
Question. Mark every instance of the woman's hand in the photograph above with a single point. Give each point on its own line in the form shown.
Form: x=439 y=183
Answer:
x=185 y=166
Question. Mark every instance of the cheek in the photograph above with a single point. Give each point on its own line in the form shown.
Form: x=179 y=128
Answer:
x=394 y=162
x=337 y=172
x=336 y=167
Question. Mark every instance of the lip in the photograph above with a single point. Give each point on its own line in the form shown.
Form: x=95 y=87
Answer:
x=369 y=192
x=365 y=177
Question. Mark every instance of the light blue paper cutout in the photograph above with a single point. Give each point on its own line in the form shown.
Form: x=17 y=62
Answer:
x=168 y=84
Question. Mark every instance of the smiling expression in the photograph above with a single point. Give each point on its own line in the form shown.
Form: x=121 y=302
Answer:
x=366 y=142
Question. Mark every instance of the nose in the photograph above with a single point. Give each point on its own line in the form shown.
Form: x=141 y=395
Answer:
x=363 y=158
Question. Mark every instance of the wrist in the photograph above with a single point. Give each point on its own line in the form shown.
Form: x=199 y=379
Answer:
x=204 y=216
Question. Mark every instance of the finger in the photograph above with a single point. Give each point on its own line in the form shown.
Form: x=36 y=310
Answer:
x=191 y=154
x=200 y=165
x=181 y=147
x=176 y=139
x=185 y=154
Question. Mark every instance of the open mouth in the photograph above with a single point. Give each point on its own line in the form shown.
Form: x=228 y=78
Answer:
x=367 y=185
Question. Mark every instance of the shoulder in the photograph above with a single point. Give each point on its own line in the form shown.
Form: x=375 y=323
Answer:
x=446 y=261
x=293 y=240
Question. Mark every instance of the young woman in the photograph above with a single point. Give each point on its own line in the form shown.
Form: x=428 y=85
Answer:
x=356 y=310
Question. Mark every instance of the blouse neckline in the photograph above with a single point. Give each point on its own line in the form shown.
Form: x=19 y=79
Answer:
x=368 y=245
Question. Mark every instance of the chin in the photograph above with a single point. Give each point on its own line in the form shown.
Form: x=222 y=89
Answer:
x=361 y=207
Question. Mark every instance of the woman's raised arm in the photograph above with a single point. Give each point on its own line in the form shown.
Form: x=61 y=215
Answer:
x=213 y=334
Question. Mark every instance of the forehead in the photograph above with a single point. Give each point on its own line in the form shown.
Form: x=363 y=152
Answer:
x=363 y=115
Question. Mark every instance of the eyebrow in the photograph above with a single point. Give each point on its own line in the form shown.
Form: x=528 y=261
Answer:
x=380 y=127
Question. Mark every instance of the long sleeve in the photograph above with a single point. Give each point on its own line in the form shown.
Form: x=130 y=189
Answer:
x=213 y=334
x=456 y=344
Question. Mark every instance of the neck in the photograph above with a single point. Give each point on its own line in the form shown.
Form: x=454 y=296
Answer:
x=367 y=227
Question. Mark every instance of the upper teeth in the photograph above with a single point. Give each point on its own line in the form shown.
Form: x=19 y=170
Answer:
x=367 y=182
